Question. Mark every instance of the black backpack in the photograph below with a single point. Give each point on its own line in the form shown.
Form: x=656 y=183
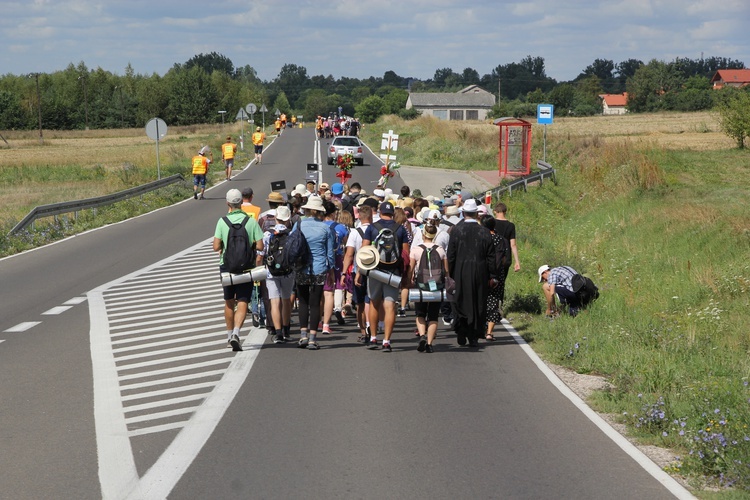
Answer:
x=502 y=252
x=430 y=270
x=275 y=259
x=296 y=252
x=387 y=245
x=239 y=254
x=585 y=289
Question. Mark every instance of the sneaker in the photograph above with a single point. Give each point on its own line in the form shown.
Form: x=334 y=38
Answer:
x=386 y=347
x=235 y=341
x=573 y=311
x=429 y=348
x=287 y=335
x=422 y=343
x=446 y=321
x=302 y=343
x=201 y=197
x=256 y=320
x=229 y=343
x=278 y=339
x=326 y=330
x=313 y=346
x=339 y=317
x=372 y=344
x=195 y=196
x=401 y=312
x=461 y=338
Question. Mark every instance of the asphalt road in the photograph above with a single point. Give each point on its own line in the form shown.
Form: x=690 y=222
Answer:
x=117 y=384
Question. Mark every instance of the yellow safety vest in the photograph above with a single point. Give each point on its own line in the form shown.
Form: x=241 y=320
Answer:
x=200 y=165
x=228 y=150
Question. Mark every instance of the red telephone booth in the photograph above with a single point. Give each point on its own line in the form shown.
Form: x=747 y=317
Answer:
x=515 y=146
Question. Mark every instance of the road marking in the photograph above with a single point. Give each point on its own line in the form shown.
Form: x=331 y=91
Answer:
x=648 y=465
x=158 y=369
x=75 y=301
x=56 y=310
x=22 y=327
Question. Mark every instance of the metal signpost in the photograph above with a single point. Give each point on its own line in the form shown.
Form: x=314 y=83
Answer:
x=264 y=109
x=544 y=116
x=156 y=128
x=242 y=116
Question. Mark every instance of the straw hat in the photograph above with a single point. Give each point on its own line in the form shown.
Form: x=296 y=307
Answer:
x=451 y=210
x=275 y=197
x=367 y=258
x=314 y=203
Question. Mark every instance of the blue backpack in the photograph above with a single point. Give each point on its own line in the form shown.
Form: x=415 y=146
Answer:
x=296 y=253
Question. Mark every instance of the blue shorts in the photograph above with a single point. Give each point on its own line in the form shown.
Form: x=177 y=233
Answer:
x=566 y=296
x=199 y=180
x=258 y=149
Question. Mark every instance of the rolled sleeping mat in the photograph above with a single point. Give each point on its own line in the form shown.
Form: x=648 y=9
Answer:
x=389 y=279
x=419 y=295
x=259 y=273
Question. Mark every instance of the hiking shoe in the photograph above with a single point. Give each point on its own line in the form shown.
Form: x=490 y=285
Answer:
x=278 y=339
x=422 y=343
x=302 y=343
x=429 y=348
x=235 y=341
x=313 y=346
x=339 y=317
x=401 y=312
x=256 y=320
x=386 y=347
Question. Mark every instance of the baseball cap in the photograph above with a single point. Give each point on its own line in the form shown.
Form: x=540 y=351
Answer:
x=543 y=268
x=386 y=208
x=234 y=196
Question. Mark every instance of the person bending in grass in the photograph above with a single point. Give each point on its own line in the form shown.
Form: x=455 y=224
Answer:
x=558 y=281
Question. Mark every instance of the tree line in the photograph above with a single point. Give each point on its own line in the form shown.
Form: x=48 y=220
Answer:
x=196 y=90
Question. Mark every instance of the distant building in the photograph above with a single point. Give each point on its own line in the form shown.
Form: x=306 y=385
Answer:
x=731 y=78
x=614 y=104
x=470 y=103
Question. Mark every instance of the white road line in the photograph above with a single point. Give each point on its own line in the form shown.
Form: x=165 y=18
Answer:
x=163 y=313
x=56 y=310
x=180 y=348
x=165 y=402
x=172 y=380
x=648 y=465
x=74 y=301
x=22 y=327
x=180 y=340
x=137 y=304
x=158 y=415
x=162 y=327
x=165 y=361
x=177 y=306
x=170 y=333
x=161 y=392
x=173 y=369
x=152 y=430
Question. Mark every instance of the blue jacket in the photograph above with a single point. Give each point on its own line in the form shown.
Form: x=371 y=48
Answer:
x=322 y=244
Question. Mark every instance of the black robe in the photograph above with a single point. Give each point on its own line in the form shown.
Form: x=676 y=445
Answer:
x=471 y=260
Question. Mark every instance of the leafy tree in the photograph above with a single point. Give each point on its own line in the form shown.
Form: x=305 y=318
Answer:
x=395 y=101
x=153 y=97
x=192 y=97
x=601 y=68
x=360 y=93
x=649 y=85
x=370 y=109
x=11 y=113
x=470 y=76
x=281 y=103
x=211 y=62
x=315 y=103
x=391 y=78
x=292 y=80
x=562 y=97
x=441 y=75
x=733 y=116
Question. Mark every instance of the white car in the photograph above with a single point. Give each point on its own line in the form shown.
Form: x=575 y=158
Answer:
x=344 y=144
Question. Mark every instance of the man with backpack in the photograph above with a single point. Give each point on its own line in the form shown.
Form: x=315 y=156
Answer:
x=569 y=286
x=280 y=279
x=390 y=239
x=239 y=240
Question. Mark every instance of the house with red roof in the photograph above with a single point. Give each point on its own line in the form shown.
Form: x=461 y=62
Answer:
x=614 y=104
x=731 y=78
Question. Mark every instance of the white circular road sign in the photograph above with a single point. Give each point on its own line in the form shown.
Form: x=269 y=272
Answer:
x=156 y=128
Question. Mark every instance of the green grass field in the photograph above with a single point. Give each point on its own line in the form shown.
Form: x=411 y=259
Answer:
x=654 y=208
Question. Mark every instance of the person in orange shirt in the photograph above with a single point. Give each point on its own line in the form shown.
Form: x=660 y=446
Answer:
x=258 y=138
x=228 y=150
x=277 y=124
x=200 y=169
x=253 y=211
x=283 y=120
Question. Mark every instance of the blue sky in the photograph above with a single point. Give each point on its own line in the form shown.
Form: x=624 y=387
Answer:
x=362 y=38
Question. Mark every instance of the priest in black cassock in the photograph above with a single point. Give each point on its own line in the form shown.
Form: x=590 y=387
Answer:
x=471 y=257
